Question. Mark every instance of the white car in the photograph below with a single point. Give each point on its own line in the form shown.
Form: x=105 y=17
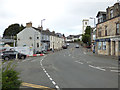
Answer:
x=68 y=44
x=77 y=46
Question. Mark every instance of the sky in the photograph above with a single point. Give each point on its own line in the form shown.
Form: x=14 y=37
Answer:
x=61 y=16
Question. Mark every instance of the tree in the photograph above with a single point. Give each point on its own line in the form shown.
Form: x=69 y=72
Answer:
x=10 y=77
x=12 y=30
x=86 y=38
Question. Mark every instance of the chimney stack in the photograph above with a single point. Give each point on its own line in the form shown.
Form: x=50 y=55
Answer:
x=29 y=24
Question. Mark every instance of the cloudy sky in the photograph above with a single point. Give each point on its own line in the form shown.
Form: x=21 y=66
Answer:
x=64 y=16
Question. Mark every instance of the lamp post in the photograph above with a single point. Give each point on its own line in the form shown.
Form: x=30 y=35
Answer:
x=41 y=30
x=42 y=21
x=92 y=33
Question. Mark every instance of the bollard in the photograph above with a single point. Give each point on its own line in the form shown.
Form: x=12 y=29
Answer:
x=16 y=56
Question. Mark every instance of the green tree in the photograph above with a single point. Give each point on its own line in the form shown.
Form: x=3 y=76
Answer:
x=13 y=30
x=86 y=38
x=10 y=77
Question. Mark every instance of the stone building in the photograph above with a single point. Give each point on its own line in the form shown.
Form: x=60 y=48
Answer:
x=108 y=31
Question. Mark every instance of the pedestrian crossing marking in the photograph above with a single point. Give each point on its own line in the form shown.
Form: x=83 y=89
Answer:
x=36 y=86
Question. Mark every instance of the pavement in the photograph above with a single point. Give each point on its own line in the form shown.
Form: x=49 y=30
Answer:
x=72 y=68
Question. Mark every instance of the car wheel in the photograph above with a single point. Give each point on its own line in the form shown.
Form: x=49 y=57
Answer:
x=6 y=58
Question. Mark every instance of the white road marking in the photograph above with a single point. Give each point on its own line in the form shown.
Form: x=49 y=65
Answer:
x=79 y=62
x=51 y=79
x=56 y=86
x=53 y=82
x=49 y=75
x=115 y=71
x=69 y=54
x=100 y=68
x=97 y=68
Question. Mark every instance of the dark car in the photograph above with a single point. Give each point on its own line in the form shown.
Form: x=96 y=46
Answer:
x=6 y=55
x=64 y=46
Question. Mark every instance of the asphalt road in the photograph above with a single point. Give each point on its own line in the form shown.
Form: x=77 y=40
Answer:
x=70 y=68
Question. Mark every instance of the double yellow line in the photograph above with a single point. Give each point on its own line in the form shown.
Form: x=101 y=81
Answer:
x=36 y=86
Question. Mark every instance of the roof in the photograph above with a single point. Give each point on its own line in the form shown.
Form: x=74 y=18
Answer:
x=46 y=32
x=101 y=12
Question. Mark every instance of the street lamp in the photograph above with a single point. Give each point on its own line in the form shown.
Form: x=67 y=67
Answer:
x=42 y=29
x=92 y=32
x=42 y=21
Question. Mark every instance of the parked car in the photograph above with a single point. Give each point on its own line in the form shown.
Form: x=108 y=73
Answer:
x=44 y=52
x=64 y=46
x=7 y=55
x=77 y=46
x=68 y=44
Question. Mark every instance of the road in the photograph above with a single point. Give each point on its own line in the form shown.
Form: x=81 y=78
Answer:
x=70 y=68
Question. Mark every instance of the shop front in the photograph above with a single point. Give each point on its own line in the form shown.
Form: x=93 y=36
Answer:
x=103 y=46
x=108 y=46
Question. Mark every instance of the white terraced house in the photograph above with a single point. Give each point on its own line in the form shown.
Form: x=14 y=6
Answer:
x=38 y=39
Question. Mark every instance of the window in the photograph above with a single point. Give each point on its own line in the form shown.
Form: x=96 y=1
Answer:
x=100 y=19
x=117 y=28
x=111 y=13
x=37 y=45
x=99 y=32
x=37 y=37
x=105 y=30
x=30 y=38
x=99 y=45
x=85 y=23
x=104 y=45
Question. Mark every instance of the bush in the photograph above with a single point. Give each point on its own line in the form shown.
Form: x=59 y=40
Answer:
x=10 y=79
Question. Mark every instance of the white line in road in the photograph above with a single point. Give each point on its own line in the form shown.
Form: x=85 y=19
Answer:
x=115 y=71
x=97 y=68
x=79 y=62
x=100 y=68
x=53 y=82
x=51 y=79
x=57 y=87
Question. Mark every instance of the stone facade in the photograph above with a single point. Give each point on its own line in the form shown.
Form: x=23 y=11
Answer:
x=108 y=32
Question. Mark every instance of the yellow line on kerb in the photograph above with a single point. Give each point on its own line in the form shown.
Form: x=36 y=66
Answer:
x=36 y=86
